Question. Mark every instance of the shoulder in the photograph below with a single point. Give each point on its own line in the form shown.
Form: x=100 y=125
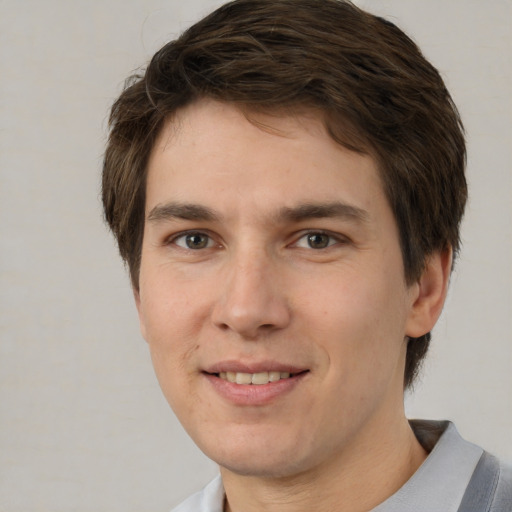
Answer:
x=502 y=501
x=457 y=475
x=209 y=499
x=490 y=483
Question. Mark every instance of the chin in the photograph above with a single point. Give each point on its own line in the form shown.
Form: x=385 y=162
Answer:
x=265 y=458
x=272 y=468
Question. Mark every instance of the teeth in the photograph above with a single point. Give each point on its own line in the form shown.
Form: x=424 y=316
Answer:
x=274 y=376
x=254 y=378
x=260 y=378
x=243 y=378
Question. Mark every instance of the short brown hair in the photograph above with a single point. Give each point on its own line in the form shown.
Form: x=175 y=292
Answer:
x=374 y=89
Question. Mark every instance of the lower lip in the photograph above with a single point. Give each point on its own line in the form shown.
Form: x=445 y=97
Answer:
x=253 y=394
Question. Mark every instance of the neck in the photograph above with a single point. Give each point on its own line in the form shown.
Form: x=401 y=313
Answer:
x=356 y=480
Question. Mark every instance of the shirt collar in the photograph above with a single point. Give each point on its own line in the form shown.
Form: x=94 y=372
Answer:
x=440 y=482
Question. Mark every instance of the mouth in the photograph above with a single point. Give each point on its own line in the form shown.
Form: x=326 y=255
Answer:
x=257 y=379
x=255 y=384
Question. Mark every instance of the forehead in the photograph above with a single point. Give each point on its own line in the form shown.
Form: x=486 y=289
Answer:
x=210 y=149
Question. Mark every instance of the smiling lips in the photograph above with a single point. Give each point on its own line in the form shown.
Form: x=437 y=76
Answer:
x=255 y=384
x=254 y=378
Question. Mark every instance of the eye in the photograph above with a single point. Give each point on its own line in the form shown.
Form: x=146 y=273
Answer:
x=316 y=240
x=193 y=240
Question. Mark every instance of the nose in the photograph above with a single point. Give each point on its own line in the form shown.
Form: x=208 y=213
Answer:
x=251 y=301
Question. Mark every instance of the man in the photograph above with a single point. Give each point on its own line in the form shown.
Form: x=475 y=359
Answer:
x=286 y=183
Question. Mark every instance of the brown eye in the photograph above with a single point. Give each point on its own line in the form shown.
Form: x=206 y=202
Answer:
x=318 y=240
x=193 y=241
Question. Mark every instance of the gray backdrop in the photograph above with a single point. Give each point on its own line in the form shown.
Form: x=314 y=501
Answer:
x=83 y=425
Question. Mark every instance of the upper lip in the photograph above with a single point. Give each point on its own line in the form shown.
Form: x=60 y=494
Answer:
x=253 y=367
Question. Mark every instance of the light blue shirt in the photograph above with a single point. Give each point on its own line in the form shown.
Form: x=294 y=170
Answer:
x=437 y=486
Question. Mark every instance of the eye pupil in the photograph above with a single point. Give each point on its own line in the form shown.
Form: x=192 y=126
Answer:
x=196 y=241
x=318 y=241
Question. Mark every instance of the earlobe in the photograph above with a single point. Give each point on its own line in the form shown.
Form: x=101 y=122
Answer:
x=138 y=305
x=431 y=290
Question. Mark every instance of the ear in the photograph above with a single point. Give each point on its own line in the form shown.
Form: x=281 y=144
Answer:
x=429 y=294
x=138 y=305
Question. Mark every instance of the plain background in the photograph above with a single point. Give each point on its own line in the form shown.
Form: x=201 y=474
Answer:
x=83 y=424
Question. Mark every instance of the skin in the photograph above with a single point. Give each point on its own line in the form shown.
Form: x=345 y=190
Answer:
x=265 y=280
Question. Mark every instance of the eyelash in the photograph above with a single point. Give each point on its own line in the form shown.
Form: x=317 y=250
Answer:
x=333 y=239
x=186 y=234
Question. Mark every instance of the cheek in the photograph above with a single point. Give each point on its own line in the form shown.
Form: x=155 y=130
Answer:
x=171 y=320
x=344 y=304
x=170 y=307
x=173 y=348
x=359 y=321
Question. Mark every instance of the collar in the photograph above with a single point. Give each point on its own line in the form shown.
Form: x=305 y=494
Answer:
x=440 y=482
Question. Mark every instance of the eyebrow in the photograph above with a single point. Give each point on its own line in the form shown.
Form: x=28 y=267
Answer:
x=302 y=212
x=324 y=210
x=171 y=211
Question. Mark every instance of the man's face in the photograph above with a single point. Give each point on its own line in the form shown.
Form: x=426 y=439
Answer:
x=271 y=255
